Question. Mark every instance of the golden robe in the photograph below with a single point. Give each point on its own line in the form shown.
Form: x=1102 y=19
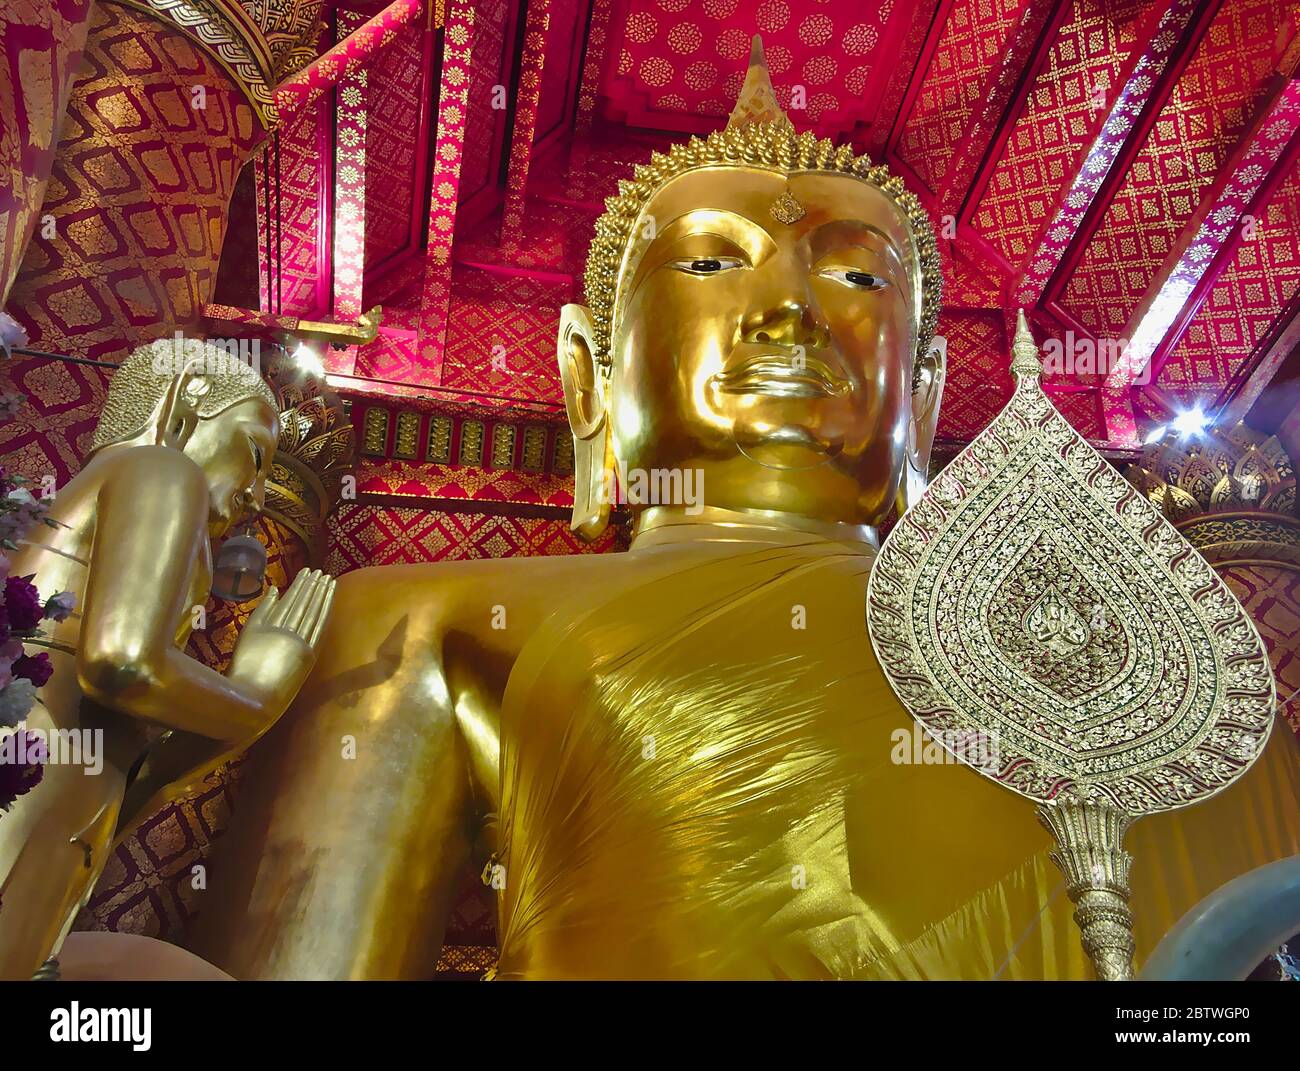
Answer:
x=699 y=781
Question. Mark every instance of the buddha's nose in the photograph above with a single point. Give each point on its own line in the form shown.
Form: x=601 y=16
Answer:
x=792 y=323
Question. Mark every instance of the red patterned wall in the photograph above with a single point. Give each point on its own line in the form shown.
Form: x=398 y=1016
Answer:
x=675 y=62
x=361 y=534
x=504 y=342
x=1062 y=108
x=974 y=39
x=394 y=179
x=484 y=122
x=139 y=191
x=978 y=382
x=53 y=429
x=1261 y=278
x=299 y=279
x=40 y=47
x=1272 y=597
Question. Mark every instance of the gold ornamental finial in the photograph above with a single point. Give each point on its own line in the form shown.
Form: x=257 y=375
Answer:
x=1025 y=360
x=757 y=102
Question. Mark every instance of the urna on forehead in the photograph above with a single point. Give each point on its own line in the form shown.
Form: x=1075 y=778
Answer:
x=786 y=204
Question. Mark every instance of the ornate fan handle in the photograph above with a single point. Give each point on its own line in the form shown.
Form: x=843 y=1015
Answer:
x=1090 y=853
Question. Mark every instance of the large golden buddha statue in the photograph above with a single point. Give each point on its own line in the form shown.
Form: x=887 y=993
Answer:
x=684 y=761
x=180 y=455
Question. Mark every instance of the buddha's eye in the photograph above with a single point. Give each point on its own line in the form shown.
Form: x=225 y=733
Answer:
x=707 y=265
x=257 y=456
x=862 y=280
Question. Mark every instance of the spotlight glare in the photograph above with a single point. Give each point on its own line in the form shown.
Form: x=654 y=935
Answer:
x=308 y=360
x=1155 y=434
x=1191 y=422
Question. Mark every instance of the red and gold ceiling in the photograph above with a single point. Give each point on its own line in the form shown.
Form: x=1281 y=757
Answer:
x=1125 y=169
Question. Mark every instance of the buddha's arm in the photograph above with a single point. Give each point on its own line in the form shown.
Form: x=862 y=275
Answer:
x=150 y=520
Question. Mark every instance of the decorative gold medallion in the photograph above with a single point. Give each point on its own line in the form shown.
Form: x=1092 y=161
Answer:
x=1035 y=597
x=787 y=209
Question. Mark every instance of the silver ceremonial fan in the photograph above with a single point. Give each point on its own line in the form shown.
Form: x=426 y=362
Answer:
x=1034 y=597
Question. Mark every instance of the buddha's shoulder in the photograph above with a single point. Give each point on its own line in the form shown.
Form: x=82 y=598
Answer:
x=161 y=464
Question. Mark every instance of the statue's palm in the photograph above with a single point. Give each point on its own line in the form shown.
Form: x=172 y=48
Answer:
x=277 y=647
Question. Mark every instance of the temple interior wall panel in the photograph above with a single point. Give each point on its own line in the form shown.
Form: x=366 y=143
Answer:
x=154 y=136
x=43 y=42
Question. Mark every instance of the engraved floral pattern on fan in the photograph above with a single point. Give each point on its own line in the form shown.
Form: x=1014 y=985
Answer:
x=1099 y=702
x=1053 y=624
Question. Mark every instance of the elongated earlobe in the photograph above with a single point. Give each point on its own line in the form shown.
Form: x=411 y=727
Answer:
x=178 y=413
x=926 y=398
x=586 y=386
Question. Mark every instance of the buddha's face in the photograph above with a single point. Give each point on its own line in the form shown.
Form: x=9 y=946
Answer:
x=773 y=359
x=234 y=449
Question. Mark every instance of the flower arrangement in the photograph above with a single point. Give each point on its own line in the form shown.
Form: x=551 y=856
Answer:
x=22 y=611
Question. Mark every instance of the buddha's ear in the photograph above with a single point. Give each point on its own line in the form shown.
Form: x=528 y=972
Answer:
x=585 y=384
x=178 y=413
x=586 y=399
x=927 y=395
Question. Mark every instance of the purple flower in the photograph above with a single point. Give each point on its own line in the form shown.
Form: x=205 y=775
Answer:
x=21 y=766
x=23 y=603
x=59 y=607
x=35 y=668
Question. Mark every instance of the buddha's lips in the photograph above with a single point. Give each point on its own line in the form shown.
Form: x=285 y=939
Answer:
x=783 y=375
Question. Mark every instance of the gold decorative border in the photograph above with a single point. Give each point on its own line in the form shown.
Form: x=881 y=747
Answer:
x=1245 y=538
x=476 y=440
x=229 y=38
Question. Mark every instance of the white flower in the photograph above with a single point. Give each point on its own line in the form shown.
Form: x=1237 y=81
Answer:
x=16 y=702
x=22 y=496
x=59 y=607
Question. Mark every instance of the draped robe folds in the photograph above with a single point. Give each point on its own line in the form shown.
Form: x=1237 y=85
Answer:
x=700 y=780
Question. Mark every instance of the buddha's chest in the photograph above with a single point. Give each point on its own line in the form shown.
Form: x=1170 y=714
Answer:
x=682 y=803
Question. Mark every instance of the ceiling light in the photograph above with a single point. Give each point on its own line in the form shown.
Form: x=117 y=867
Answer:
x=1191 y=422
x=308 y=360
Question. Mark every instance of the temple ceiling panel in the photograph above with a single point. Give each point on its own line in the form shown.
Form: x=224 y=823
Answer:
x=1119 y=167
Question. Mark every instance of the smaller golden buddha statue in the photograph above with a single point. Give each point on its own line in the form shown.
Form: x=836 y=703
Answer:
x=181 y=454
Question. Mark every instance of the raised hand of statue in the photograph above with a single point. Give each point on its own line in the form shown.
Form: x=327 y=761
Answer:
x=277 y=647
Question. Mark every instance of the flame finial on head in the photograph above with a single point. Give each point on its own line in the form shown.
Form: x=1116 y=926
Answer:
x=757 y=102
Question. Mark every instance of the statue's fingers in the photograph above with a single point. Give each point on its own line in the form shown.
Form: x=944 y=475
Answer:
x=293 y=621
x=304 y=616
x=322 y=611
x=263 y=609
x=292 y=598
